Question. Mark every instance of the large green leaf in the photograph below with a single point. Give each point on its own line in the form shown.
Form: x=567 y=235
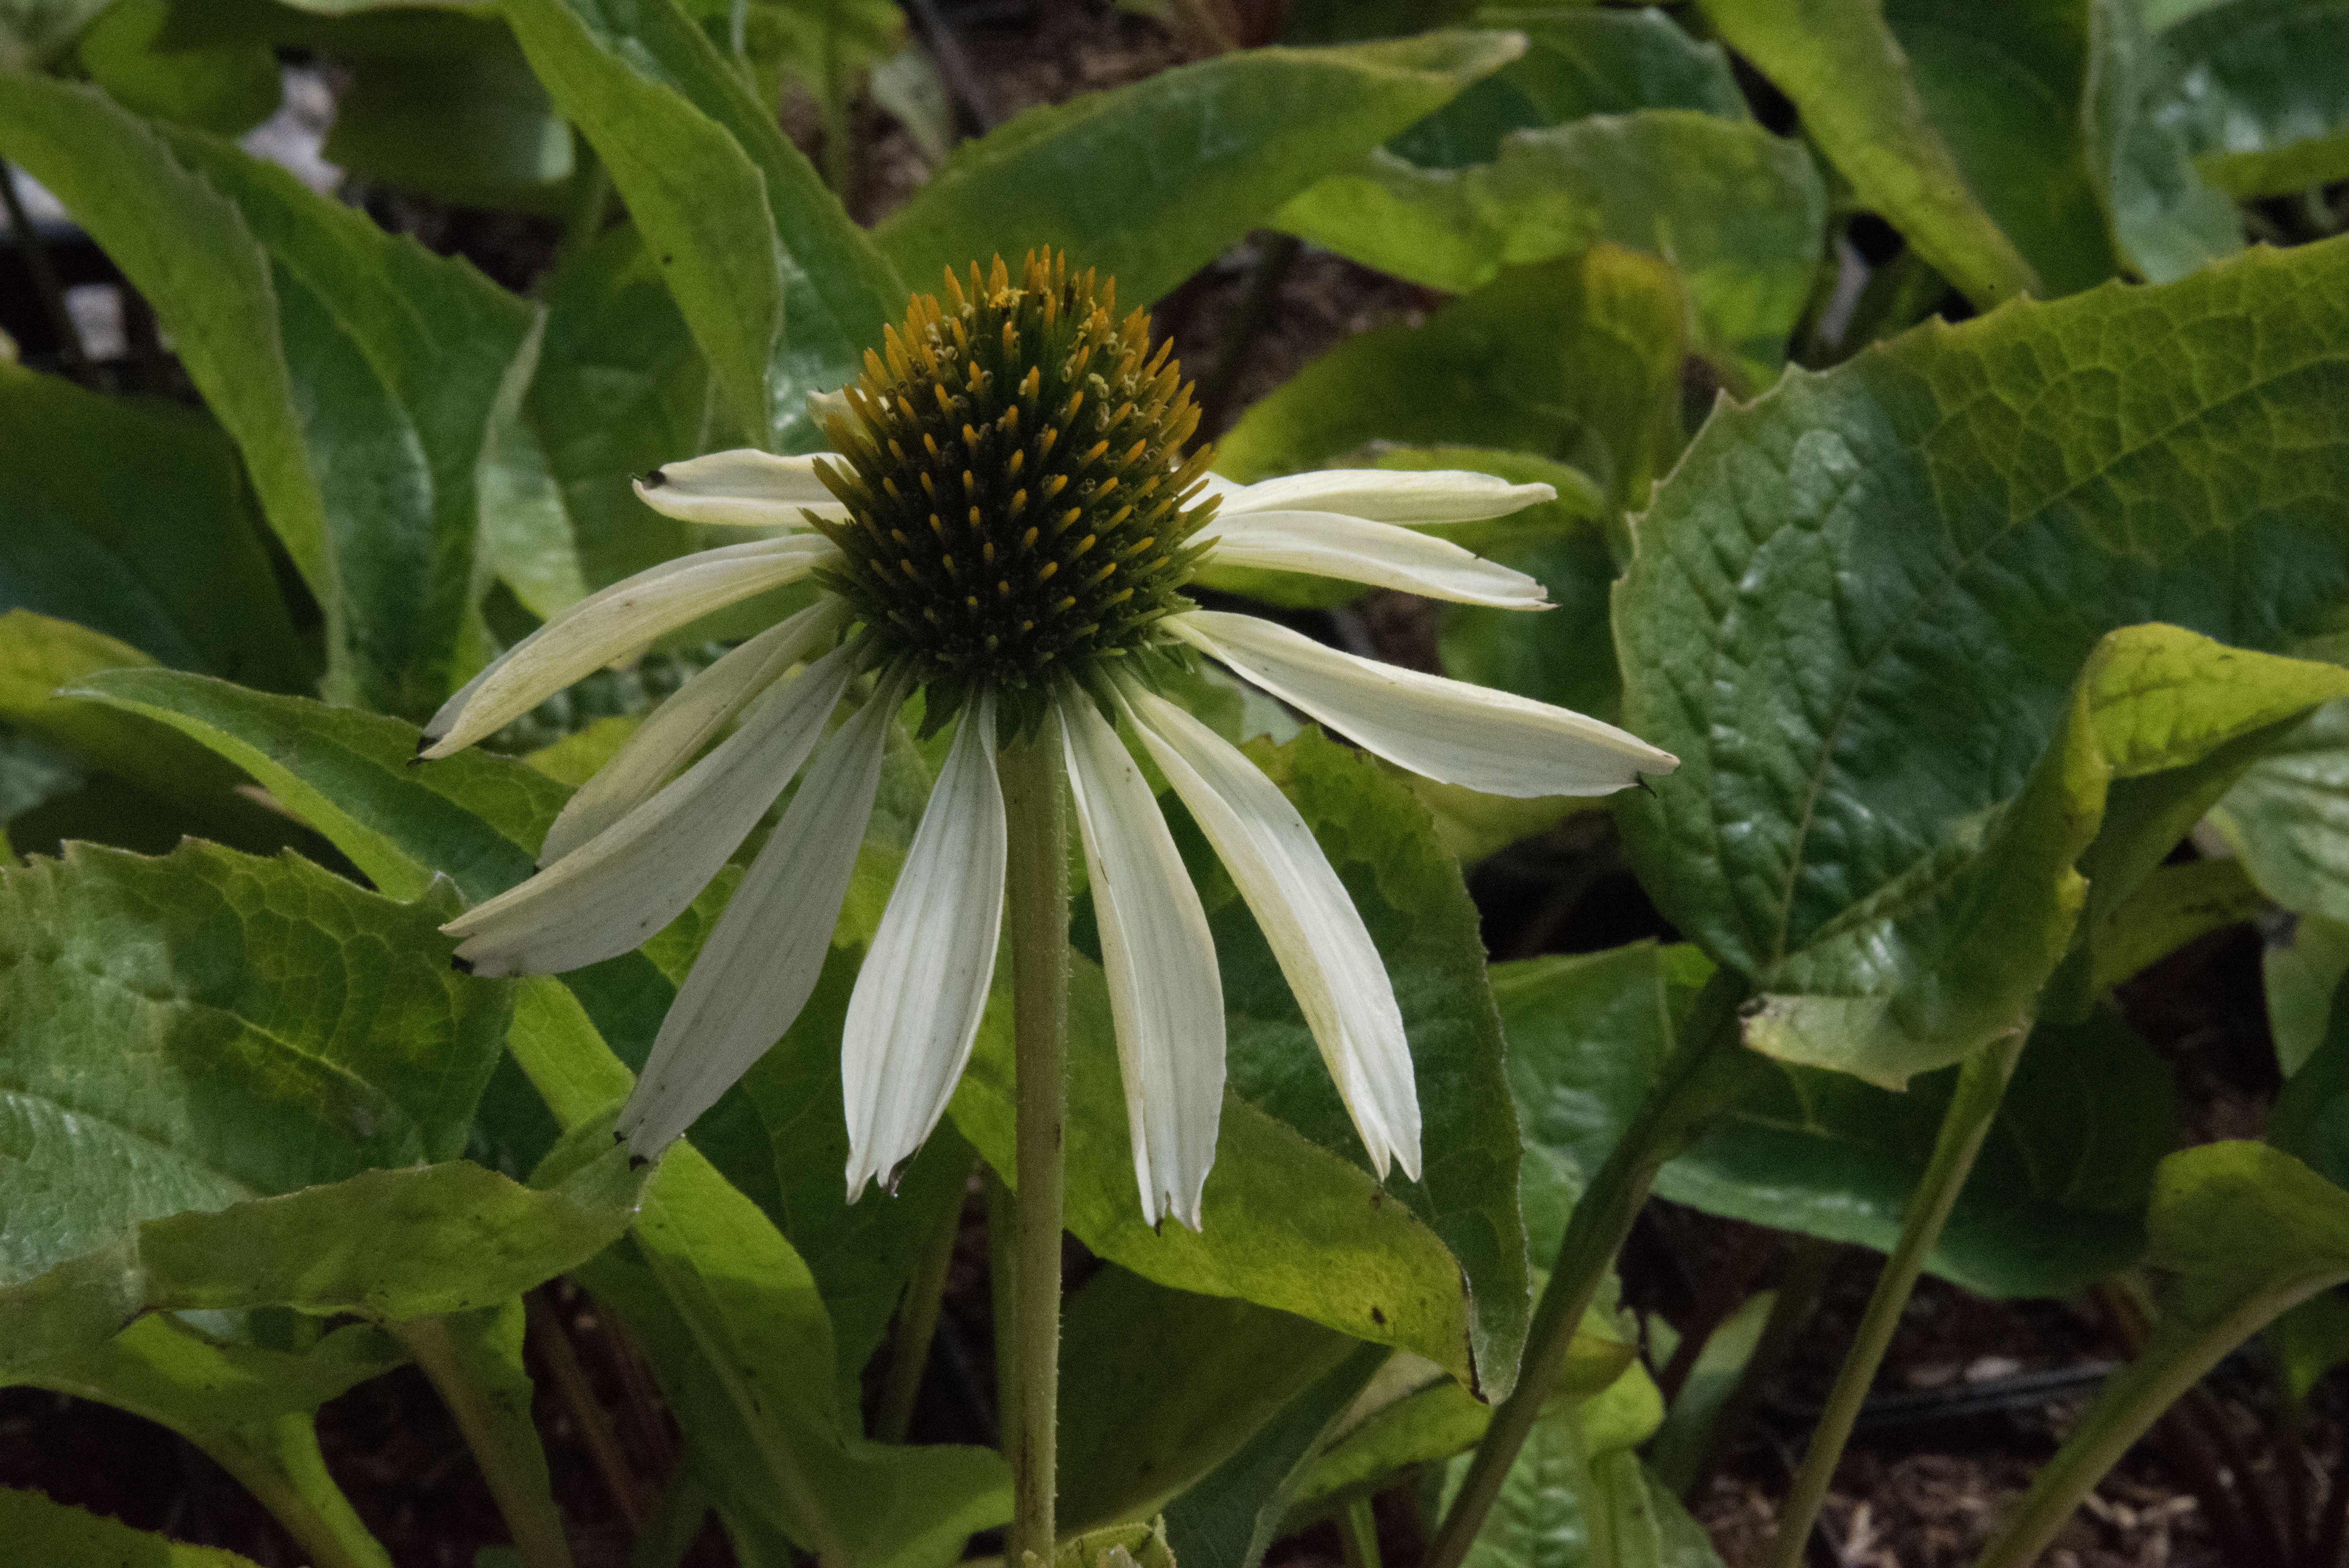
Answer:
x=1840 y=63
x=357 y=372
x=2249 y=1233
x=1577 y=360
x=1742 y=212
x=2288 y=817
x=2167 y=219
x=1160 y=1387
x=131 y=517
x=2056 y=1200
x=2258 y=96
x=56 y=1536
x=780 y=289
x=204 y=1029
x=1149 y=182
x=225 y=87
x=1878 y=799
x=1579 y=60
x=1410 y=894
x=462 y=120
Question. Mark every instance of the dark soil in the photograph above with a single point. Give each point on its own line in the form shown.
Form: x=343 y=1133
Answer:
x=1923 y=1493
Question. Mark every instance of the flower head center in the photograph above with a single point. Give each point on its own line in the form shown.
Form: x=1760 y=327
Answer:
x=1018 y=500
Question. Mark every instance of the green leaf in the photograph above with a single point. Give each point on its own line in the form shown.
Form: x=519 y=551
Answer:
x=2166 y=220
x=1877 y=801
x=2302 y=972
x=270 y=1026
x=35 y=32
x=1577 y=360
x=1690 y=1432
x=166 y=786
x=2005 y=83
x=1364 y=1451
x=131 y=517
x=2311 y=1120
x=1411 y=897
x=465 y=121
x=1159 y=1387
x=1742 y=212
x=2288 y=817
x=2249 y=1233
x=1231 y=1517
x=356 y=372
x=1841 y=64
x=2309 y=1341
x=2170 y=908
x=387 y=1244
x=2256 y=97
x=226 y=87
x=741 y=224
x=1150 y=183
x=56 y=1536
x=2056 y=1198
x=1579 y=60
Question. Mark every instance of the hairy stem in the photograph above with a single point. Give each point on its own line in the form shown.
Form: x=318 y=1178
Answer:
x=1708 y=1071
x=1036 y=903
x=499 y=1434
x=1982 y=1084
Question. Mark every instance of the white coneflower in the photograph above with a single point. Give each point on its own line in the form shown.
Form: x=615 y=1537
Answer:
x=1006 y=528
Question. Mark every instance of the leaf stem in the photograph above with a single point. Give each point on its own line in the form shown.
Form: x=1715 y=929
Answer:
x=288 y=1477
x=1036 y=901
x=917 y=1323
x=504 y=1445
x=1358 y=1532
x=1708 y=1071
x=561 y=1359
x=1982 y=1084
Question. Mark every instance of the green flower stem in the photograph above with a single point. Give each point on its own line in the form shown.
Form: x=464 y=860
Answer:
x=288 y=1477
x=1708 y=1072
x=917 y=1323
x=1982 y=1084
x=1036 y=903
x=1358 y=1533
x=502 y=1439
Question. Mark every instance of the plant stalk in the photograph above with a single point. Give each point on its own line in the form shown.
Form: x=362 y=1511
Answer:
x=1358 y=1533
x=1036 y=904
x=317 y=1514
x=561 y=1358
x=515 y=1470
x=1982 y=1084
x=1709 y=1070
x=917 y=1323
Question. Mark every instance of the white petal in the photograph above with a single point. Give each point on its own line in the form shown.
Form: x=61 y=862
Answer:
x=1164 y=992
x=684 y=724
x=617 y=890
x=761 y=962
x=1385 y=495
x=915 y=1009
x=744 y=488
x=1306 y=917
x=1445 y=729
x=613 y=623
x=1332 y=544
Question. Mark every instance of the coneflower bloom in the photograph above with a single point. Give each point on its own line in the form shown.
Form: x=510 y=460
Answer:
x=1006 y=528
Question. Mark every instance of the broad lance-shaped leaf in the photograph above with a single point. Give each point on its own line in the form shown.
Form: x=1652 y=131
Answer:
x=1892 y=754
x=782 y=291
x=1839 y=62
x=1577 y=360
x=1150 y=183
x=2057 y=1198
x=2248 y=1233
x=131 y=517
x=358 y=373
x=1742 y=212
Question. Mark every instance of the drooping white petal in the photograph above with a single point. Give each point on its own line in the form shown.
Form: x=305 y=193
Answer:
x=761 y=962
x=1310 y=923
x=613 y=623
x=1444 y=729
x=915 y=1009
x=1165 y=994
x=684 y=724
x=1332 y=544
x=1384 y=495
x=743 y=487
x=615 y=891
